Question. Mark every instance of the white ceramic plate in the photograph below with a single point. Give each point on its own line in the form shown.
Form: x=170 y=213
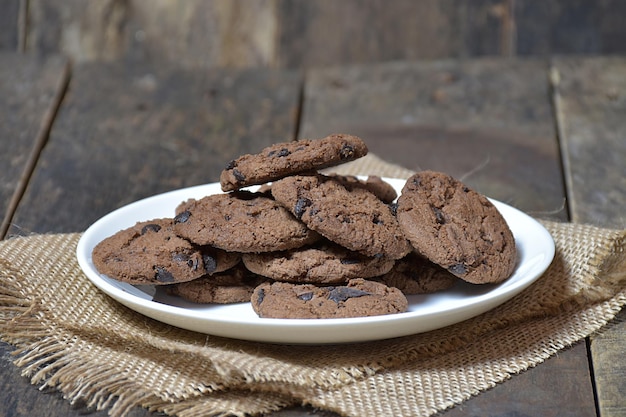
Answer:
x=426 y=312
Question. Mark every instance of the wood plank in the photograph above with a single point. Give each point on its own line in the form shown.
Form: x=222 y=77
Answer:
x=321 y=33
x=569 y=27
x=285 y=33
x=300 y=33
x=30 y=89
x=155 y=130
x=489 y=122
x=591 y=104
x=590 y=97
x=9 y=25
x=189 y=34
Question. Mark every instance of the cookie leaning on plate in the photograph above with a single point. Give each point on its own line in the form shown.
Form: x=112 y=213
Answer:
x=456 y=227
x=358 y=298
x=152 y=253
x=289 y=158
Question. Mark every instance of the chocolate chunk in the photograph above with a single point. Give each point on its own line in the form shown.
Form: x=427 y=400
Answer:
x=307 y=296
x=348 y=261
x=163 y=275
x=340 y=294
x=458 y=269
x=301 y=206
x=180 y=257
x=347 y=151
x=182 y=217
x=152 y=227
x=210 y=264
x=439 y=218
x=238 y=175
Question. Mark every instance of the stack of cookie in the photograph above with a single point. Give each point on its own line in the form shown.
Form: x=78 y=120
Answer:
x=308 y=245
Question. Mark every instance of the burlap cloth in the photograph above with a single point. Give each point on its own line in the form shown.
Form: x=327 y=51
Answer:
x=70 y=336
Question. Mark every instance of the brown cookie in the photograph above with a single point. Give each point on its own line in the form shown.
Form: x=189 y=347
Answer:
x=322 y=263
x=414 y=274
x=357 y=219
x=359 y=298
x=241 y=221
x=233 y=286
x=373 y=183
x=152 y=253
x=456 y=227
x=288 y=158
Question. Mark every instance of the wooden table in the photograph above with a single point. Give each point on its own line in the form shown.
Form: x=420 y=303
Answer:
x=546 y=136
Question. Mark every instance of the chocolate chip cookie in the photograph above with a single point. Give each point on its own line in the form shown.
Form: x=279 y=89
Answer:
x=233 y=286
x=415 y=274
x=322 y=263
x=288 y=158
x=356 y=219
x=358 y=298
x=152 y=253
x=241 y=221
x=456 y=227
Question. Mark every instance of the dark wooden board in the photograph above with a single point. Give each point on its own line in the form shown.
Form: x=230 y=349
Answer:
x=321 y=33
x=457 y=117
x=127 y=132
x=569 y=27
x=306 y=34
x=187 y=34
x=9 y=25
x=30 y=89
x=590 y=97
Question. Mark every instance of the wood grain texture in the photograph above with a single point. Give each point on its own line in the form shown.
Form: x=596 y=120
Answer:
x=322 y=33
x=590 y=96
x=569 y=27
x=9 y=25
x=489 y=122
x=30 y=89
x=192 y=33
x=127 y=132
x=608 y=350
x=305 y=34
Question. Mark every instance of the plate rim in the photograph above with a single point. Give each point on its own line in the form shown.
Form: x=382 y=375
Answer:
x=299 y=331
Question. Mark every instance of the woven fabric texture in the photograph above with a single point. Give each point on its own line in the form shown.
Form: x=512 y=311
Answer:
x=70 y=336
